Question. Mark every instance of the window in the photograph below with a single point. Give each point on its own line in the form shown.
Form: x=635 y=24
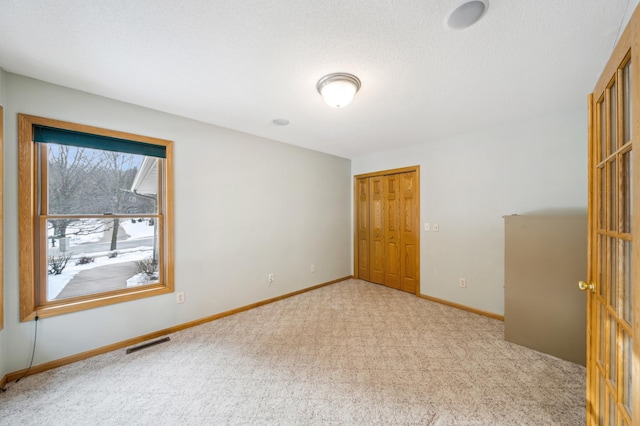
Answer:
x=95 y=223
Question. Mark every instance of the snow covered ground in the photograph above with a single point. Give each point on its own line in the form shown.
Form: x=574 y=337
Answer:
x=138 y=230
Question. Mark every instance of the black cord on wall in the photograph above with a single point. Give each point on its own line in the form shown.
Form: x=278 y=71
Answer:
x=33 y=352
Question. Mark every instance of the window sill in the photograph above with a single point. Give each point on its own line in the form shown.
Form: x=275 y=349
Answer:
x=93 y=301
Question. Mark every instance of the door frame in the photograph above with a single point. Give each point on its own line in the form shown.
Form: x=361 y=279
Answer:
x=408 y=169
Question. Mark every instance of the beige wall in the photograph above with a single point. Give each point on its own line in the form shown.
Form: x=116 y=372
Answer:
x=470 y=181
x=245 y=207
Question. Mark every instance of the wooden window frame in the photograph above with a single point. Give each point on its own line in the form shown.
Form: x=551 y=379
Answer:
x=31 y=303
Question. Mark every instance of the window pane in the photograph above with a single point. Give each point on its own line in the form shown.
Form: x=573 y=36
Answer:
x=602 y=266
x=602 y=213
x=613 y=195
x=613 y=356
x=627 y=282
x=601 y=341
x=83 y=181
x=626 y=75
x=627 y=353
x=603 y=130
x=612 y=409
x=613 y=105
x=601 y=404
x=612 y=281
x=626 y=191
x=90 y=256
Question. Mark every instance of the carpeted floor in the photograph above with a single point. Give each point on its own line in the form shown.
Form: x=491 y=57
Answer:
x=351 y=353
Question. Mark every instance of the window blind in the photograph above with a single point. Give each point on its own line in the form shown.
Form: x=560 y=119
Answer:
x=45 y=134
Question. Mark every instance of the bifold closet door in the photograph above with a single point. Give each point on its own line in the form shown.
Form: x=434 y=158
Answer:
x=387 y=229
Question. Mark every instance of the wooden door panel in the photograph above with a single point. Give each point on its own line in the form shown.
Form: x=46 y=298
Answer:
x=362 y=188
x=363 y=259
x=392 y=265
x=376 y=236
x=409 y=277
x=377 y=261
x=409 y=235
x=392 y=269
x=408 y=224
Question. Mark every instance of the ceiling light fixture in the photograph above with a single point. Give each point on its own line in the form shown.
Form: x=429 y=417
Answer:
x=338 y=89
x=467 y=14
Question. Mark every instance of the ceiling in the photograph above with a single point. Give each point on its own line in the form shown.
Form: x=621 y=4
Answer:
x=242 y=64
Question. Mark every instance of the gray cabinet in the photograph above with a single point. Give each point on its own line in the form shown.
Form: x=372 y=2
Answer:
x=545 y=257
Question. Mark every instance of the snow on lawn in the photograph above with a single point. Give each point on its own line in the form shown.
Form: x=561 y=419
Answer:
x=134 y=229
x=138 y=229
x=142 y=279
x=73 y=230
x=55 y=283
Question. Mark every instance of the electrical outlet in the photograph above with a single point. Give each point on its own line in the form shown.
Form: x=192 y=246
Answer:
x=313 y=268
x=272 y=277
x=180 y=297
x=436 y=227
x=463 y=282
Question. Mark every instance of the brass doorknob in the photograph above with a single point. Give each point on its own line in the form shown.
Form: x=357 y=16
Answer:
x=584 y=286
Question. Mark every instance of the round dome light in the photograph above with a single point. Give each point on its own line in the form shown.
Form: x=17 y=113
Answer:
x=338 y=89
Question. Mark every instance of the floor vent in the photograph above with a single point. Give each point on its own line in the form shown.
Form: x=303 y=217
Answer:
x=146 y=345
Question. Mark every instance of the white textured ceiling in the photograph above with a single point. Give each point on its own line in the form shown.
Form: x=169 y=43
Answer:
x=242 y=63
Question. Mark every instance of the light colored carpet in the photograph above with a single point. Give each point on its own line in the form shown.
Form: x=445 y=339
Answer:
x=352 y=353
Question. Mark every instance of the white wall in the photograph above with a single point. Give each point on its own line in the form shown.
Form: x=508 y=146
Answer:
x=469 y=182
x=245 y=207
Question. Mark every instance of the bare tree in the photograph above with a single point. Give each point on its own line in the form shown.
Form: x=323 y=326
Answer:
x=114 y=178
x=86 y=181
x=69 y=171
